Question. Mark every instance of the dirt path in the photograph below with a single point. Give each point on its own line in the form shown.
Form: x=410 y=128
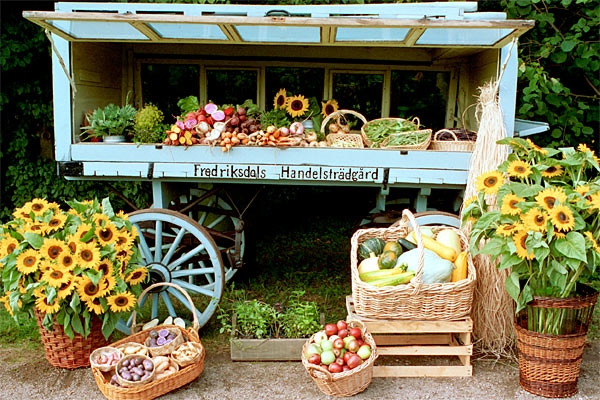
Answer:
x=25 y=376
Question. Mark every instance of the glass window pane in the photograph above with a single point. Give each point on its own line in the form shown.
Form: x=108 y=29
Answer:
x=370 y=34
x=422 y=94
x=188 y=31
x=294 y=34
x=359 y=92
x=231 y=86
x=99 y=30
x=305 y=81
x=454 y=36
x=165 y=84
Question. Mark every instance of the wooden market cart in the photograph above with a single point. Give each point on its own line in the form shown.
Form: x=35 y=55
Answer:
x=100 y=48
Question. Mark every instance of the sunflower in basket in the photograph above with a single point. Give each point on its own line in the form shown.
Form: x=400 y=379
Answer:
x=70 y=266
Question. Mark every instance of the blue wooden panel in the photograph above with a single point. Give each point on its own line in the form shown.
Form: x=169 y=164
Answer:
x=459 y=36
x=126 y=170
x=62 y=100
x=428 y=176
x=371 y=34
x=507 y=96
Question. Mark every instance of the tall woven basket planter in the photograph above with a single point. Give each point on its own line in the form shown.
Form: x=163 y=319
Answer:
x=549 y=363
x=63 y=352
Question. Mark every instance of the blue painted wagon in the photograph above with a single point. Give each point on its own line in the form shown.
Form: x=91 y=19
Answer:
x=100 y=53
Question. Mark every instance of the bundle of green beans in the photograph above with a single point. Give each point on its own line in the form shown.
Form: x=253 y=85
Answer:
x=378 y=131
x=407 y=139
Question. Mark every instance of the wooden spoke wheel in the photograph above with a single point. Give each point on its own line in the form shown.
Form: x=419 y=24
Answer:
x=177 y=249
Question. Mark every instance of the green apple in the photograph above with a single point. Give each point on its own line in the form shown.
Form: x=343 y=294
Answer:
x=326 y=345
x=364 y=351
x=327 y=357
x=313 y=348
x=320 y=336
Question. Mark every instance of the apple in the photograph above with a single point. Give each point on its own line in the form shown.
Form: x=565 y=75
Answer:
x=345 y=368
x=347 y=356
x=331 y=329
x=337 y=352
x=320 y=336
x=343 y=333
x=341 y=324
x=326 y=345
x=356 y=333
x=360 y=342
x=364 y=351
x=353 y=346
x=347 y=340
x=327 y=357
x=332 y=338
x=354 y=361
x=335 y=368
x=340 y=361
x=313 y=348
x=314 y=359
x=338 y=343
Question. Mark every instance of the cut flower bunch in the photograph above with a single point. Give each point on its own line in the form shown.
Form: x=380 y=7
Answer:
x=547 y=227
x=70 y=266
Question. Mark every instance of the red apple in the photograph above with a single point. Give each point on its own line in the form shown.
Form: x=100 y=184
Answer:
x=342 y=332
x=354 y=361
x=314 y=359
x=330 y=329
x=356 y=333
x=338 y=343
x=353 y=346
x=345 y=368
x=340 y=361
x=337 y=352
x=335 y=368
x=360 y=342
x=341 y=324
x=347 y=356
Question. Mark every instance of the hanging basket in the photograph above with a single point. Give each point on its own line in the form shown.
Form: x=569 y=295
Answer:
x=549 y=364
x=63 y=352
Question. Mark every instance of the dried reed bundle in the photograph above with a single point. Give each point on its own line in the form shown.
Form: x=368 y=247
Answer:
x=493 y=309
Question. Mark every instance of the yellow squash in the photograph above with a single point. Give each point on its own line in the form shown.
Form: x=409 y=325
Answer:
x=460 y=272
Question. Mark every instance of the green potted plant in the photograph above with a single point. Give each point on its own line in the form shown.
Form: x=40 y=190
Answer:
x=111 y=123
x=79 y=271
x=546 y=228
x=148 y=125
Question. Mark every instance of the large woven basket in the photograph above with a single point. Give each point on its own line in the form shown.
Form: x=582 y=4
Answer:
x=63 y=352
x=414 y=300
x=450 y=145
x=343 y=139
x=163 y=385
x=549 y=365
x=347 y=383
x=419 y=146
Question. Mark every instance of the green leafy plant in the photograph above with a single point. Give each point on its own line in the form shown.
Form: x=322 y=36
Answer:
x=149 y=126
x=300 y=318
x=111 y=120
x=548 y=226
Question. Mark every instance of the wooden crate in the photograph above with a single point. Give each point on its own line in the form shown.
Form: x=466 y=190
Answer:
x=437 y=340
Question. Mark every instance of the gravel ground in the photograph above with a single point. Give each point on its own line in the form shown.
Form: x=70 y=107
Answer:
x=25 y=375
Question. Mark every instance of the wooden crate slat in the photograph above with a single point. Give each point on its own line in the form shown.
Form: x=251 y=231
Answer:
x=425 y=350
x=407 y=339
x=385 y=371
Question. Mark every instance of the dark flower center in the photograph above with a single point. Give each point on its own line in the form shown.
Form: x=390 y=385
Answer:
x=67 y=261
x=549 y=201
x=54 y=251
x=562 y=217
x=37 y=207
x=513 y=203
x=90 y=289
x=122 y=301
x=106 y=234
x=280 y=100
x=56 y=274
x=539 y=219
x=87 y=255
x=54 y=222
x=296 y=105
x=490 y=181
x=29 y=261
x=329 y=109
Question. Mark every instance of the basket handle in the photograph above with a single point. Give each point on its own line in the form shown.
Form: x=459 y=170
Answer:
x=195 y=323
x=339 y=113
x=310 y=367
x=416 y=281
x=444 y=131
x=416 y=121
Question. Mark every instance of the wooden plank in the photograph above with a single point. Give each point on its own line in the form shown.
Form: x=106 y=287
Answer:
x=134 y=170
x=398 y=326
x=384 y=371
x=412 y=36
x=326 y=35
x=408 y=339
x=425 y=350
x=62 y=110
x=232 y=34
x=146 y=30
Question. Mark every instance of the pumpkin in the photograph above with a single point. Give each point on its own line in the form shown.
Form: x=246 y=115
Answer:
x=371 y=245
x=369 y=264
x=387 y=260
x=393 y=246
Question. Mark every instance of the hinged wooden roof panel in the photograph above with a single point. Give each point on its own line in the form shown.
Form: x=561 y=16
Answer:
x=395 y=25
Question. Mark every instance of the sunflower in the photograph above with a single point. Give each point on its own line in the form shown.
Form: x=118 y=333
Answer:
x=329 y=107
x=280 y=99
x=594 y=199
x=562 y=218
x=107 y=234
x=95 y=306
x=519 y=169
x=535 y=220
x=553 y=171
x=123 y=215
x=559 y=235
x=72 y=243
x=56 y=276
x=6 y=301
x=57 y=222
x=124 y=240
x=123 y=255
x=45 y=265
x=82 y=230
x=42 y=304
x=121 y=302
x=28 y=261
x=86 y=289
x=106 y=284
x=582 y=147
x=66 y=261
x=547 y=198
x=66 y=289
x=519 y=239
x=54 y=207
x=583 y=190
x=89 y=255
x=136 y=276
x=536 y=148
x=509 y=204
x=489 y=182
x=100 y=219
x=105 y=266
x=23 y=212
x=36 y=227
x=52 y=248
x=590 y=237
x=39 y=206
x=8 y=245
x=297 y=106
x=508 y=229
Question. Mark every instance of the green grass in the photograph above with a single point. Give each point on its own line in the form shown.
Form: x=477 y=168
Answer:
x=24 y=334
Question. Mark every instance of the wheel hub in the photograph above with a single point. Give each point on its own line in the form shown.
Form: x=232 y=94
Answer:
x=158 y=273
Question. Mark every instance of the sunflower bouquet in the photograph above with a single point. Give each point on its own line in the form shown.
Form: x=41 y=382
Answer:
x=70 y=266
x=547 y=227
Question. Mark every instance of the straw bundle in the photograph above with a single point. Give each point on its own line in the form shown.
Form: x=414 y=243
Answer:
x=493 y=309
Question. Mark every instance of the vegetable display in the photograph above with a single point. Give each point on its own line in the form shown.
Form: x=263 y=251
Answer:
x=379 y=130
x=384 y=269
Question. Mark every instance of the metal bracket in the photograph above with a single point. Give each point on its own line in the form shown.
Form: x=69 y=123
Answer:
x=70 y=168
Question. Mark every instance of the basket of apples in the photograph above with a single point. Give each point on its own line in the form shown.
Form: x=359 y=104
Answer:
x=340 y=358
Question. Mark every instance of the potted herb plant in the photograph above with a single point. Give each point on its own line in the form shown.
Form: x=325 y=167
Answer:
x=148 y=125
x=265 y=332
x=79 y=271
x=112 y=123
x=546 y=228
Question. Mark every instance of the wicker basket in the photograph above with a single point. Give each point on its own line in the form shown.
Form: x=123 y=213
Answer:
x=549 y=364
x=423 y=145
x=415 y=120
x=450 y=145
x=63 y=352
x=414 y=300
x=163 y=385
x=168 y=347
x=99 y=352
x=133 y=384
x=347 y=383
x=343 y=139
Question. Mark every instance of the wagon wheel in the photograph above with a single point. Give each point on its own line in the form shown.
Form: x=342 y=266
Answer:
x=218 y=217
x=169 y=243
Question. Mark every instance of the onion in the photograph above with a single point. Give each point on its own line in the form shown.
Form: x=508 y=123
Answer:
x=203 y=127
x=218 y=115
x=297 y=128
x=284 y=131
x=210 y=108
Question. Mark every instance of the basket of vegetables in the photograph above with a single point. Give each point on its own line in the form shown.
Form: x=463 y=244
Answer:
x=339 y=133
x=404 y=274
x=453 y=140
x=150 y=375
x=396 y=133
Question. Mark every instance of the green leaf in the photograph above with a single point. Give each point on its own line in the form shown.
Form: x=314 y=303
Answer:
x=35 y=240
x=76 y=324
x=493 y=247
x=509 y=260
x=93 y=275
x=109 y=324
x=75 y=302
x=525 y=297
x=60 y=317
x=573 y=246
x=107 y=208
x=524 y=190
x=88 y=236
x=512 y=286
x=51 y=293
x=568 y=45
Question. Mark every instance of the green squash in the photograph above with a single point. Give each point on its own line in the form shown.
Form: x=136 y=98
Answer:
x=371 y=245
x=387 y=260
x=393 y=246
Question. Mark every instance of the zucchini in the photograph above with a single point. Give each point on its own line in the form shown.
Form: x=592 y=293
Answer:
x=393 y=280
x=382 y=273
x=406 y=244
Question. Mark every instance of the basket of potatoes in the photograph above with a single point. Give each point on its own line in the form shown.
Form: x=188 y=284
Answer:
x=170 y=356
